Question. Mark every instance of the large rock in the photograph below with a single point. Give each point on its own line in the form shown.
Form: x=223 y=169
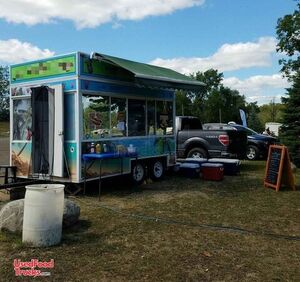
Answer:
x=11 y=215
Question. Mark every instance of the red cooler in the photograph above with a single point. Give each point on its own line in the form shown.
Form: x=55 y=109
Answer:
x=211 y=171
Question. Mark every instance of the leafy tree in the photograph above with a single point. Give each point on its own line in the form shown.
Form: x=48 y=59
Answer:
x=290 y=131
x=271 y=112
x=4 y=94
x=223 y=105
x=288 y=35
x=183 y=103
x=253 y=117
x=212 y=80
x=215 y=103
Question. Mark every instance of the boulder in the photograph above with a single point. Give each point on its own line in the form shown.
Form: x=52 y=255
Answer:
x=11 y=215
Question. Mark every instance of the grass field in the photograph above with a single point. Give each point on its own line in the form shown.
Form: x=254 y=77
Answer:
x=4 y=129
x=171 y=231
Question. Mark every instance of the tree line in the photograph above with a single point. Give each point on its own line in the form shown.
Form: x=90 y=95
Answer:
x=218 y=103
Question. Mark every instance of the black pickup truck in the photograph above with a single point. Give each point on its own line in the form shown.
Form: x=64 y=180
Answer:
x=194 y=142
x=257 y=145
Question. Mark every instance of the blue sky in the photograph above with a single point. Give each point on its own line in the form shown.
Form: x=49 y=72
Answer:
x=235 y=36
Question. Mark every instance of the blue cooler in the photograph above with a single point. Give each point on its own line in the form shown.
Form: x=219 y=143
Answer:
x=190 y=170
x=231 y=166
x=198 y=161
x=176 y=167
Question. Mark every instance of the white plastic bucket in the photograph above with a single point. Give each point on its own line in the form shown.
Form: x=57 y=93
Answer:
x=43 y=214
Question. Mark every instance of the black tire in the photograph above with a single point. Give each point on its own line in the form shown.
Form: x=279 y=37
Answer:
x=252 y=153
x=156 y=170
x=137 y=173
x=197 y=153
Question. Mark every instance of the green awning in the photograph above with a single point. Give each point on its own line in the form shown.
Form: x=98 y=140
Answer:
x=153 y=76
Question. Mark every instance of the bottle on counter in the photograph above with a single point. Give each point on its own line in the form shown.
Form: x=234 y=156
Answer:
x=105 y=149
x=98 y=148
x=92 y=149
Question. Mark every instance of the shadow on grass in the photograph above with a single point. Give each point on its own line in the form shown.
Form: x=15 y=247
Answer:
x=122 y=187
x=78 y=233
x=118 y=185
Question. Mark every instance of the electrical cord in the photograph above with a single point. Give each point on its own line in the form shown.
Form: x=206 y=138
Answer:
x=217 y=227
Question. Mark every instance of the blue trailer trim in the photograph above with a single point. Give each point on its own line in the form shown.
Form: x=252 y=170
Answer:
x=123 y=89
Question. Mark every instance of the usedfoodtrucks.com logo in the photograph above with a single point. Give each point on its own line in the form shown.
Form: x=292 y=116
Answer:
x=29 y=268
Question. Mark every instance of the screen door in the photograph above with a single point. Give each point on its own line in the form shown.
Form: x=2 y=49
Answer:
x=47 y=130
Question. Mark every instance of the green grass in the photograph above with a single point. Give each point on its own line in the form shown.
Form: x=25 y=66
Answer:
x=119 y=239
x=4 y=129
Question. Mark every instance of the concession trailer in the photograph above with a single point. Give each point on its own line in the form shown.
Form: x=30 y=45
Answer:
x=74 y=113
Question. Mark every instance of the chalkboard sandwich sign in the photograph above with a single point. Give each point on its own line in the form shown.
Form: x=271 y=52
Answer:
x=278 y=169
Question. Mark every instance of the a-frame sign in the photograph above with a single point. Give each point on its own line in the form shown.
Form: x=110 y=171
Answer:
x=278 y=169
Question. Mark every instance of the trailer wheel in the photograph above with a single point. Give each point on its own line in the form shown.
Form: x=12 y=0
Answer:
x=137 y=173
x=157 y=170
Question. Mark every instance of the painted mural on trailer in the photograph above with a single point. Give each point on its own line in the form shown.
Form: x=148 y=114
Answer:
x=21 y=157
x=144 y=147
x=71 y=159
x=22 y=119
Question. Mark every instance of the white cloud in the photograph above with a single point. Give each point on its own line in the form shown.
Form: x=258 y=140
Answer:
x=228 y=57
x=15 y=51
x=260 y=88
x=88 y=13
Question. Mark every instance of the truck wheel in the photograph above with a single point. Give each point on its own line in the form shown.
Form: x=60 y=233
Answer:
x=252 y=152
x=138 y=173
x=197 y=153
x=157 y=170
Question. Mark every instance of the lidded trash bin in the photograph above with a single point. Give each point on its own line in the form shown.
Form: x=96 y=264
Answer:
x=43 y=214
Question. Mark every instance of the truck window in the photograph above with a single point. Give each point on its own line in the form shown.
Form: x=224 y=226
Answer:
x=191 y=124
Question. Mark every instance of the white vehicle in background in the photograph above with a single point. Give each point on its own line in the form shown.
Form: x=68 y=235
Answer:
x=274 y=127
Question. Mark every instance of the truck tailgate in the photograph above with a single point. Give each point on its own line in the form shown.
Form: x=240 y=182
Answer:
x=237 y=143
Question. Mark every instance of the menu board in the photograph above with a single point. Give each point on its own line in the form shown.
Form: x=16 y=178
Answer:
x=278 y=169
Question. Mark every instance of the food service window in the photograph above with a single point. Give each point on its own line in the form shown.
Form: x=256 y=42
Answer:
x=151 y=118
x=164 y=118
x=118 y=117
x=136 y=117
x=95 y=116
x=22 y=119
